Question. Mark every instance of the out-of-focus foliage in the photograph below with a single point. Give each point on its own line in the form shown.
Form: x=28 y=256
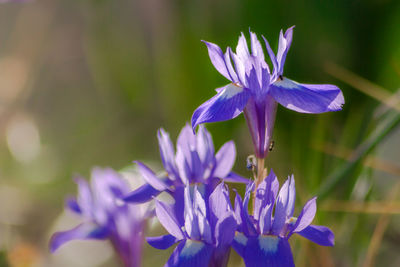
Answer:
x=86 y=83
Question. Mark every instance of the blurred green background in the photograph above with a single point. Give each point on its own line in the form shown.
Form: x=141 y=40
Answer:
x=87 y=83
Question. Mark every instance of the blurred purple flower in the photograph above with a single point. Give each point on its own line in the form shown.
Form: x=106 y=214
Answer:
x=262 y=239
x=106 y=217
x=206 y=234
x=256 y=90
x=193 y=163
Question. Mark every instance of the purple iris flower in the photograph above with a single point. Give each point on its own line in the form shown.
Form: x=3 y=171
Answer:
x=206 y=234
x=193 y=163
x=256 y=90
x=262 y=238
x=106 y=217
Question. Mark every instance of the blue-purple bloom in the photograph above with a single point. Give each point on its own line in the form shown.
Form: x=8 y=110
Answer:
x=256 y=90
x=193 y=163
x=206 y=234
x=106 y=217
x=262 y=238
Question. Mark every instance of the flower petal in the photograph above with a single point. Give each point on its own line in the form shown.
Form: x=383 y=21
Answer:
x=142 y=194
x=225 y=229
x=226 y=105
x=162 y=242
x=167 y=153
x=318 y=234
x=167 y=218
x=256 y=48
x=204 y=146
x=242 y=50
x=187 y=158
x=233 y=177
x=84 y=198
x=239 y=243
x=242 y=216
x=73 y=205
x=81 y=232
x=266 y=194
x=225 y=158
x=284 y=205
x=218 y=203
x=241 y=66
x=190 y=253
x=264 y=251
x=271 y=56
x=218 y=59
x=306 y=215
x=265 y=219
x=151 y=177
x=285 y=40
x=307 y=98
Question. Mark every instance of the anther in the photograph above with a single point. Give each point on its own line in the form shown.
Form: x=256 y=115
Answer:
x=251 y=163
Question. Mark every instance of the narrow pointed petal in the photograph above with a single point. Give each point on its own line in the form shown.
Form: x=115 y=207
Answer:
x=318 y=234
x=233 y=177
x=291 y=197
x=225 y=158
x=307 y=98
x=229 y=66
x=204 y=146
x=186 y=139
x=240 y=67
x=226 y=105
x=162 y=242
x=266 y=219
x=284 y=205
x=273 y=180
x=218 y=60
x=166 y=216
x=256 y=48
x=191 y=219
x=151 y=177
x=285 y=41
x=183 y=166
x=265 y=251
x=266 y=194
x=167 y=153
x=81 y=232
x=242 y=216
x=73 y=205
x=198 y=201
x=190 y=253
x=242 y=50
x=84 y=199
x=271 y=56
x=142 y=194
x=306 y=215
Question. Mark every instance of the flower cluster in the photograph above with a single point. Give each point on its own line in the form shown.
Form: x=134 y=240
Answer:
x=201 y=219
x=262 y=238
x=255 y=90
x=105 y=217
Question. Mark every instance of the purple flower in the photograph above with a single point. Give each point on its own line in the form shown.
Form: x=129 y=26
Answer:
x=193 y=163
x=262 y=238
x=256 y=90
x=106 y=217
x=206 y=234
